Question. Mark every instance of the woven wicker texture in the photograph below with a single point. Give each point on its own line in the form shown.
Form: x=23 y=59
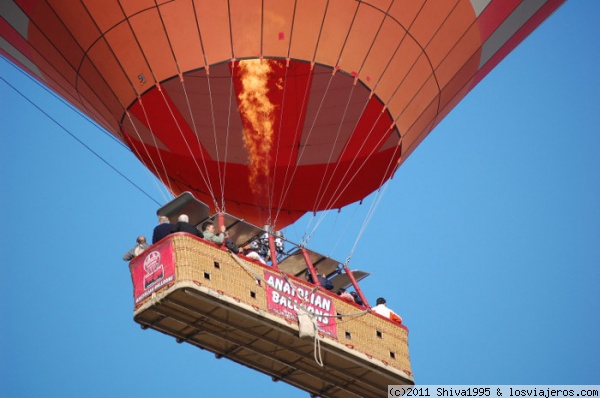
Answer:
x=241 y=279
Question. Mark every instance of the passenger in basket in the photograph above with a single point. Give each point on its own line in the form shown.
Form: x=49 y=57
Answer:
x=382 y=310
x=357 y=298
x=140 y=246
x=323 y=281
x=344 y=295
x=163 y=229
x=183 y=225
x=208 y=232
x=250 y=251
x=257 y=249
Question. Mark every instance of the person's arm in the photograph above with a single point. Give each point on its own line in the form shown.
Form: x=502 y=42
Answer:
x=218 y=239
x=395 y=317
x=129 y=255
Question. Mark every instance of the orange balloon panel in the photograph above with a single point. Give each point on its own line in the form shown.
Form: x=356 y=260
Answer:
x=267 y=108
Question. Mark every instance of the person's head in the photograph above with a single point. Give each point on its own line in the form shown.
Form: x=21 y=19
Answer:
x=208 y=226
x=163 y=219
x=380 y=300
x=341 y=290
x=183 y=218
x=140 y=240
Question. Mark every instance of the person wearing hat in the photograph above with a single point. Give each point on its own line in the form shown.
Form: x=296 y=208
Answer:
x=384 y=311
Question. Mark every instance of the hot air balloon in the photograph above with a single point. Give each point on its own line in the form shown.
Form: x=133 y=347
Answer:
x=263 y=111
x=266 y=109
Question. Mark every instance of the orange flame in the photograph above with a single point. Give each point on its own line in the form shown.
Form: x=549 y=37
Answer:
x=257 y=112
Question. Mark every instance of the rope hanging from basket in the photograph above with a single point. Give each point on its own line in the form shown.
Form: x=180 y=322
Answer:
x=307 y=322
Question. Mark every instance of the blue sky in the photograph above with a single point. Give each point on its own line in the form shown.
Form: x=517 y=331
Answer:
x=487 y=240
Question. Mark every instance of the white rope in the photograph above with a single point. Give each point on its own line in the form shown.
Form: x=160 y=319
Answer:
x=285 y=189
x=337 y=165
x=214 y=124
x=162 y=163
x=204 y=177
x=321 y=191
x=312 y=126
x=339 y=191
x=303 y=312
x=317 y=350
x=380 y=193
x=370 y=213
x=245 y=267
x=187 y=144
x=229 y=113
x=272 y=192
x=374 y=206
x=344 y=229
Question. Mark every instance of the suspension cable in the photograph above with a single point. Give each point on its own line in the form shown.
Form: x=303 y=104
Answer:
x=79 y=141
x=203 y=175
x=284 y=190
x=339 y=190
x=228 y=130
x=367 y=220
x=133 y=148
x=93 y=123
x=376 y=202
x=314 y=211
x=374 y=205
x=277 y=145
x=141 y=102
x=301 y=153
x=322 y=189
x=64 y=102
x=214 y=125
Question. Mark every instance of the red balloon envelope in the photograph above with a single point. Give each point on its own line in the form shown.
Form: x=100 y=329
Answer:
x=266 y=109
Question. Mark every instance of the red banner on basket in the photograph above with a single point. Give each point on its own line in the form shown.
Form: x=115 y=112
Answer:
x=284 y=299
x=152 y=269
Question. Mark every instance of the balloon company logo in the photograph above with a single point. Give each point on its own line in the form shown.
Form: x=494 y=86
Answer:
x=154 y=269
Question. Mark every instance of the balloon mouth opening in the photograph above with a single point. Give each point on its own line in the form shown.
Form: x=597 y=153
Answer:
x=272 y=138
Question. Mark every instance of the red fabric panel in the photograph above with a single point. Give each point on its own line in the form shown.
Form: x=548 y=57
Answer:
x=172 y=130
